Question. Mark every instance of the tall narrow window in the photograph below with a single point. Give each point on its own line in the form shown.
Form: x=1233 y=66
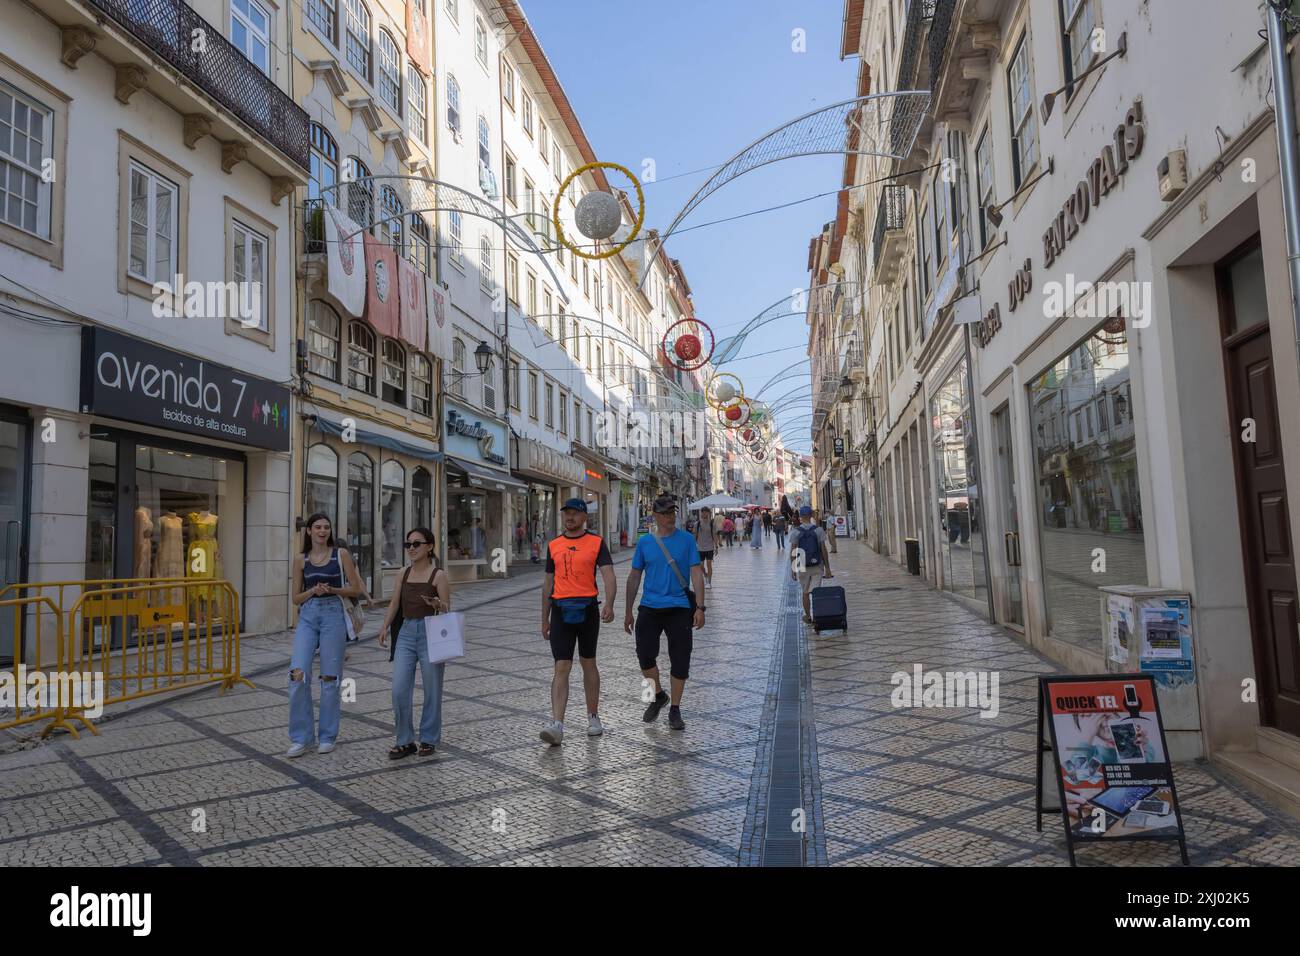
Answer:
x=417 y=118
x=984 y=183
x=153 y=224
x=248 y=265
x=508 y=84
x=485 y=262
x=515 y=397
x=324 y=166
x=484 y=141
x=544 y=143
x=358 y=37
x=390 y=73
x=453 y=104
x=1024 y=126
x=490 y=389
x=394 y=373
x=361 y=358
x=528 y=113
x=1077 y=19
x=361 y=194
x=454 y=235
x=325 y=14
x=549 y=412
x=532 y=395
x=458 y=368
x=250 y=32
x=512 y=278
x=26 y=141
x=510 y=176
x=394 y=214
x=420 y=246
x=421 y=384
x=480 y=41
x=564 y=413
x=323 y=327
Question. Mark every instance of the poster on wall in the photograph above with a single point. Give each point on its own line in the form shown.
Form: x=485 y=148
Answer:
x=1109 y=756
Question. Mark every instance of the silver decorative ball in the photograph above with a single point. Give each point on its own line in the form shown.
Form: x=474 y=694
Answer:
x=598 y=215
x=726 y=392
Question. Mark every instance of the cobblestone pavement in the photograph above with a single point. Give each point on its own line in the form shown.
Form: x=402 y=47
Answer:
x=201 y=779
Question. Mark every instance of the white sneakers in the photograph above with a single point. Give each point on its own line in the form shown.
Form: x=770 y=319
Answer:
x=708 y=585
x=296 y=750
x=325 y=748
x=553 y=733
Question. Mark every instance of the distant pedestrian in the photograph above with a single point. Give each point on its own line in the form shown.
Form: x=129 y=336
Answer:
x=780 y=525
x=706 y=540
x=756 y=532
x=668 y=608
x=324 y=575
x=728 y=531
x=424 y=589
x=571 y=613
x=808 y=557
x=767 y=524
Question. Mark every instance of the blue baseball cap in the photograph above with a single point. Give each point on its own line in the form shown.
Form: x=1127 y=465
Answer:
x=805 y=512
x=574 y=504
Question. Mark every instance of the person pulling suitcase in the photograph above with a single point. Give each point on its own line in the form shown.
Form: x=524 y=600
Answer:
x=808 y=557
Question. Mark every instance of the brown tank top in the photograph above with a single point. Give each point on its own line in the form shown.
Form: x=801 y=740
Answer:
x=413 y=593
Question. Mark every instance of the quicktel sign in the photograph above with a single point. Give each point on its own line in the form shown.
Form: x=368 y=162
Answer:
x=136 y=381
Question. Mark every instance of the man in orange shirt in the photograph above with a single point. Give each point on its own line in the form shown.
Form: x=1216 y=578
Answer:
x=571 y=614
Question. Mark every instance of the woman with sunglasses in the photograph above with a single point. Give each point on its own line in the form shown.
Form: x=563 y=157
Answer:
x=425 y=589
x=323 y=576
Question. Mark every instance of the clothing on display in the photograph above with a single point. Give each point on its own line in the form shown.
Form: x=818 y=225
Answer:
x=143 y=543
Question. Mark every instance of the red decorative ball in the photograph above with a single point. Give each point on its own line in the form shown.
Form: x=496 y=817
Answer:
x=733 y=413
x=747 y=434
x=688 y=347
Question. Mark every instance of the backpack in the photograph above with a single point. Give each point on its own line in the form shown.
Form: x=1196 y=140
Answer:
x=812 y=549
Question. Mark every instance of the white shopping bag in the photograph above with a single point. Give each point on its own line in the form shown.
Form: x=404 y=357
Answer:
x=446 y=636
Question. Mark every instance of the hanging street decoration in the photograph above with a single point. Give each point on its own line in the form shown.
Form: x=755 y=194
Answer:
x=598 y=215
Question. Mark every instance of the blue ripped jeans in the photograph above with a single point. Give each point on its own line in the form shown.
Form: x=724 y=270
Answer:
x=412 y=648
x=320 y=624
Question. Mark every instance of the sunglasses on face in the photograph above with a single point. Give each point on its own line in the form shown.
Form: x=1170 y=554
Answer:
x=410 y=545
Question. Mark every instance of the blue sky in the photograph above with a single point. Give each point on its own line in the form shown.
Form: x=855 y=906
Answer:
x=689 y=84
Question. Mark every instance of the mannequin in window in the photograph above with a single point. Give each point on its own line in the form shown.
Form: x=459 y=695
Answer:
x=203 y=558
x=143 y=543
x=170 y=562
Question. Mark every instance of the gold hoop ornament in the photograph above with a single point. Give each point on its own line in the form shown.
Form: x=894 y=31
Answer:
x=713 y=393
x=636 y=227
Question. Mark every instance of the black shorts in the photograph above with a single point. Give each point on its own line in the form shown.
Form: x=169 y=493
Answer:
x=676 y=622
x=706 y=555
x=565 y=636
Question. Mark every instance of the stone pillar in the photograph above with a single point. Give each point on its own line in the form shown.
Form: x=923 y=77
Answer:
x=268 y=518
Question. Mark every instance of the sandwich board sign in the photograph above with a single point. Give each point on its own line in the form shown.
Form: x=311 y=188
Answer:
x=1103 y=740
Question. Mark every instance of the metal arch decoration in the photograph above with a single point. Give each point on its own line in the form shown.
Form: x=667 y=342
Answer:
x=687 y=351
x=420 y=194
x=879 y=124
x=816 y=300
x=636 y=226
x=713 y=391
x=780 y=376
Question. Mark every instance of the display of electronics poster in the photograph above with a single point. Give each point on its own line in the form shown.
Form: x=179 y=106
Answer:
x=1110 y=759
x=1166 y=646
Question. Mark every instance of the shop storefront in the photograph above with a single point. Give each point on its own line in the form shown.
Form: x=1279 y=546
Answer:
x=596 y=492
x=201 y=480
x=552 y=478
x=374 y=486
x=960 y=549
x=479 y=509
x=15 y=484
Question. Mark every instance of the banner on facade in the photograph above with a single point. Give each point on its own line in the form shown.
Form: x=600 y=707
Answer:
x=1108 y=753
x=438 y=325
x=413 y=304
x=381 y=287
x=345 y=261
x=417 y=38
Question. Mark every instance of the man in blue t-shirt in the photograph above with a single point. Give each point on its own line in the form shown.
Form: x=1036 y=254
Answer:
x=666 y=606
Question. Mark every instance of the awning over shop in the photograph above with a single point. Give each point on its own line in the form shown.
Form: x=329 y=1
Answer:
x=363 y=437
x=485 y=478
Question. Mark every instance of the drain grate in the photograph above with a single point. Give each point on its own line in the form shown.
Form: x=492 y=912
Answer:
x=889 y=588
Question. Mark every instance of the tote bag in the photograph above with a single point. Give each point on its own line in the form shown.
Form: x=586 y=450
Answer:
x=445 y=634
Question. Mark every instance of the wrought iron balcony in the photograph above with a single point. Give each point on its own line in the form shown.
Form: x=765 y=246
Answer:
x=919 y=13
x=197 y=49
x=891 y=217
x=937 y=38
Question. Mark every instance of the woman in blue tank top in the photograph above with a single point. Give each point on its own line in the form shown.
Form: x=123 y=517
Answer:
x=323 y=576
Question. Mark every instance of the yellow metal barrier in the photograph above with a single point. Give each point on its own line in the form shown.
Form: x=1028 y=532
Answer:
x=155 y=637
x=34 y=687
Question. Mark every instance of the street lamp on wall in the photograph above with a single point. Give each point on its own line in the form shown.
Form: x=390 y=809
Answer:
x=483 y=357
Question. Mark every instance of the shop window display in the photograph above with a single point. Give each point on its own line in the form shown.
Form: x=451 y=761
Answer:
x=466 y=534
x=961 y=534
x=361 y=520
x=392 y=513
x=421 y=499
x=323 y=482
x=1088 y=497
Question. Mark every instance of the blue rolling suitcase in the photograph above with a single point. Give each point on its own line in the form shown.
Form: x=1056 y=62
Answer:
x=830 y=611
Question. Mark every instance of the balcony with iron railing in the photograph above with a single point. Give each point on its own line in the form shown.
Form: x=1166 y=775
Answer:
x=936 y=40
x=134 y=34
x=919 y=13
x=887 y=242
